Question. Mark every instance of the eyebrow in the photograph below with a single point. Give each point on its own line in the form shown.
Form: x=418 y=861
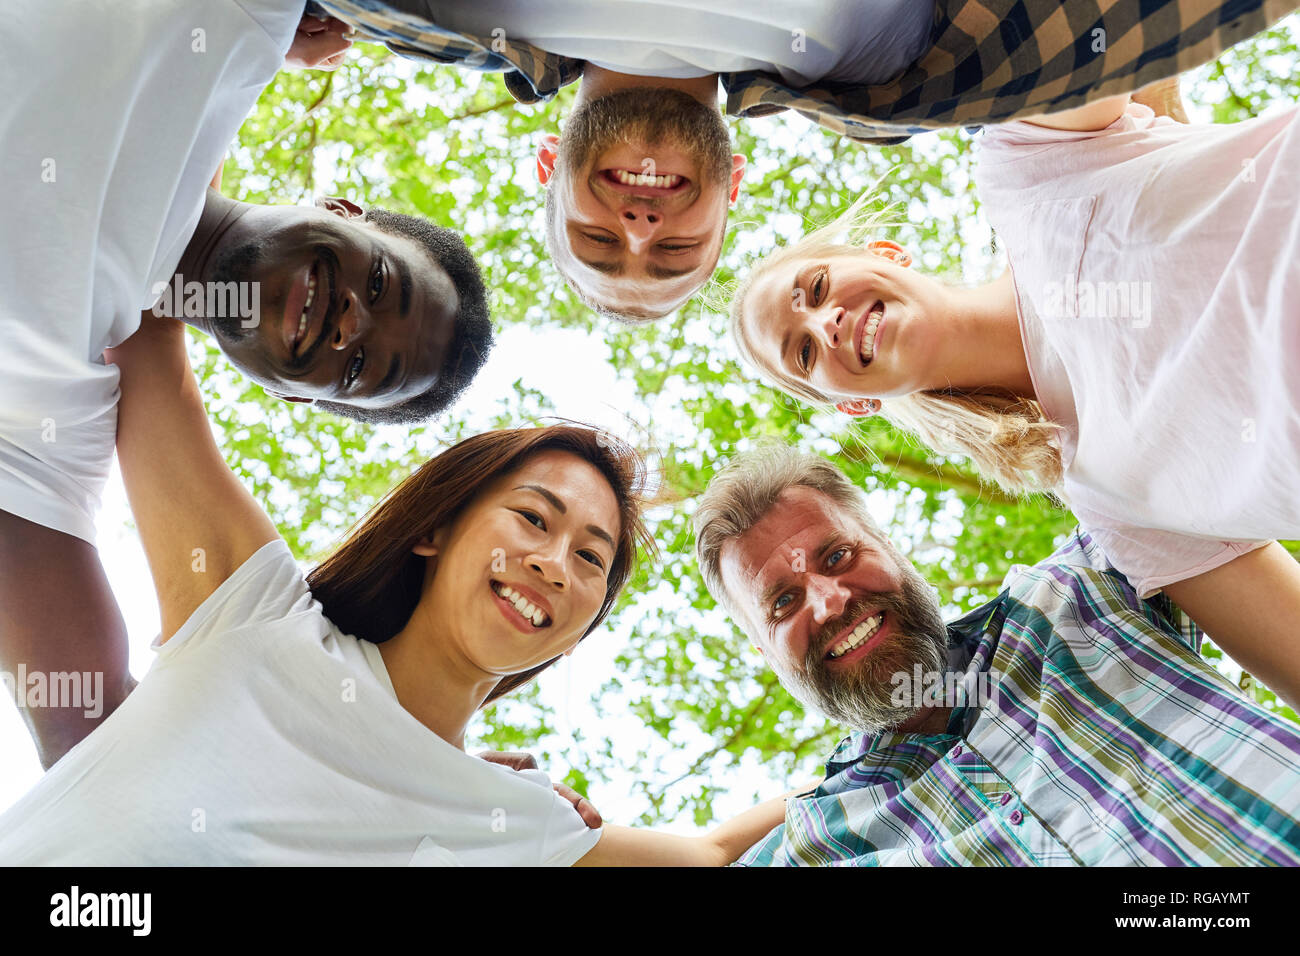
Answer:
x=559 y=506
x=556 y=503
x=780 y=584
x=390 y=376
x=658 y=272
x=404 y=280
x=605 y=268
x=616 y=269
x=794 y=291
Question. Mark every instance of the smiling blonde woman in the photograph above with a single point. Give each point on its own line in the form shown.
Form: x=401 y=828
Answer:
x=1140 y=357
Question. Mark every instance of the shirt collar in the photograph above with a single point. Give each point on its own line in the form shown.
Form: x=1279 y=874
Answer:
x=972 y=642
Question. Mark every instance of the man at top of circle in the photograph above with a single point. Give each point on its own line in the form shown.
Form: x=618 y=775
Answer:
x=640 y=180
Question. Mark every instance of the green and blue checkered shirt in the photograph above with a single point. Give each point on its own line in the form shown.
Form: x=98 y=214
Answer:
x=1107 y=740
x=991 y=60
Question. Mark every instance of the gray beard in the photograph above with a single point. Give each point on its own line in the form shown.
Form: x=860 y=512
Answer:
x=860 y=698
x=647 y=116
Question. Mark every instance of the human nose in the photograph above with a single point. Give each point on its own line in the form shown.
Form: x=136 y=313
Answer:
x=350 y=325
x=640 y=224
x=831 y=322
x=548 y=564
x=827 y=598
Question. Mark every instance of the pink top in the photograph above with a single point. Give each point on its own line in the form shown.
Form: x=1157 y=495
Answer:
x=1157 y=274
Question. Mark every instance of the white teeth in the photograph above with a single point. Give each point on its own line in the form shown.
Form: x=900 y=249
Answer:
x=522 y=605
x=869 y=335
x=306 y=306
x=644 y=179
x=860 y=634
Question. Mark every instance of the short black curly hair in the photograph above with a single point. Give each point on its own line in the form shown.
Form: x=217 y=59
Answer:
x=472 y=338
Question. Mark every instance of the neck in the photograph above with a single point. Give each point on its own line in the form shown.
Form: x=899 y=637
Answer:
x=597 y=82
x=439 y=691
x=219 y=216
x=984 y=349
x=929 y=720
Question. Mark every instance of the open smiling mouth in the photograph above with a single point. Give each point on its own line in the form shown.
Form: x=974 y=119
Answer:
x=869 y=333
x=316 y=309
x=529 y=613
x=635 y=183
x=856 y=638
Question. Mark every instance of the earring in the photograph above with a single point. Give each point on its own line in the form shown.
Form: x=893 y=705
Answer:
x=891 y=251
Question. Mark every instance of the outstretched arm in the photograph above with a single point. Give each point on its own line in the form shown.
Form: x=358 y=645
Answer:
x=625 y=846
x=197 y=523
x=1250 y=607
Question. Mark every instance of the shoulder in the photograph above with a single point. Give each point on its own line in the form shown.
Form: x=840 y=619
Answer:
x=1076 y=594
x=268 y=587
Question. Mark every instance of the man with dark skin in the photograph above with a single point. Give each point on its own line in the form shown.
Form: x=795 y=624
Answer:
x=378 y=316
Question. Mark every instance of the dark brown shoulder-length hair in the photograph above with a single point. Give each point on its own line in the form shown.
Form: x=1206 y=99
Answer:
x=370 y=585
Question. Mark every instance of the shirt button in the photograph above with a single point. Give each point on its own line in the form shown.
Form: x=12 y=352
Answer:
x=1016 y=817
x=956 y=751
x=1006 y=798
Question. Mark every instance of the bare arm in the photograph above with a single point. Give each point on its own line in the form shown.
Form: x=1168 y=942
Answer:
x=58 y=615
x=198 y=524
x=1165 y=99
x=625 y=846
x=1250 y=607
x=1094 y=116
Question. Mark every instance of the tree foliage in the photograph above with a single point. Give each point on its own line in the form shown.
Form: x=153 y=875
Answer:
x=455 y=147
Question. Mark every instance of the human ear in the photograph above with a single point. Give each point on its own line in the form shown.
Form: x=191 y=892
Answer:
x=548 y=150
x=859 y=407
x=343 y=208
x=891 y=251
x=430 y=544
x=737 y=174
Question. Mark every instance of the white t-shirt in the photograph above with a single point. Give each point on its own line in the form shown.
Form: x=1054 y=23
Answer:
x=1157 y=275
x=113 y=121
x=264 y=735
x=802 y=41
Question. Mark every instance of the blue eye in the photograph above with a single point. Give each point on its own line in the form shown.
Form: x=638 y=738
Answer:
x=838 y=551
x=782 y=602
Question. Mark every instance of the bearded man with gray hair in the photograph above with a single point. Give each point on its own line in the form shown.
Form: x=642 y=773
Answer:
x=1067 y=722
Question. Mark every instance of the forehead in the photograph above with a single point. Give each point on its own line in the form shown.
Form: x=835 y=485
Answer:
x=769 y=302
x=802 y=518
x=578 y=484
x=425 y=333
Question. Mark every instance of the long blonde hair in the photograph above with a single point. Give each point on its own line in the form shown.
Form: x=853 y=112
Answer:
x=1009 y=439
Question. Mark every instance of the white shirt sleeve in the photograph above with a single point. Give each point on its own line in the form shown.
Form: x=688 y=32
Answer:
x=265 y=589
x=1152 y=559
x=566 y=839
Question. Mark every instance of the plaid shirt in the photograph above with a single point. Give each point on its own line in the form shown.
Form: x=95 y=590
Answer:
x=1107 y=740
x=991 y=60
